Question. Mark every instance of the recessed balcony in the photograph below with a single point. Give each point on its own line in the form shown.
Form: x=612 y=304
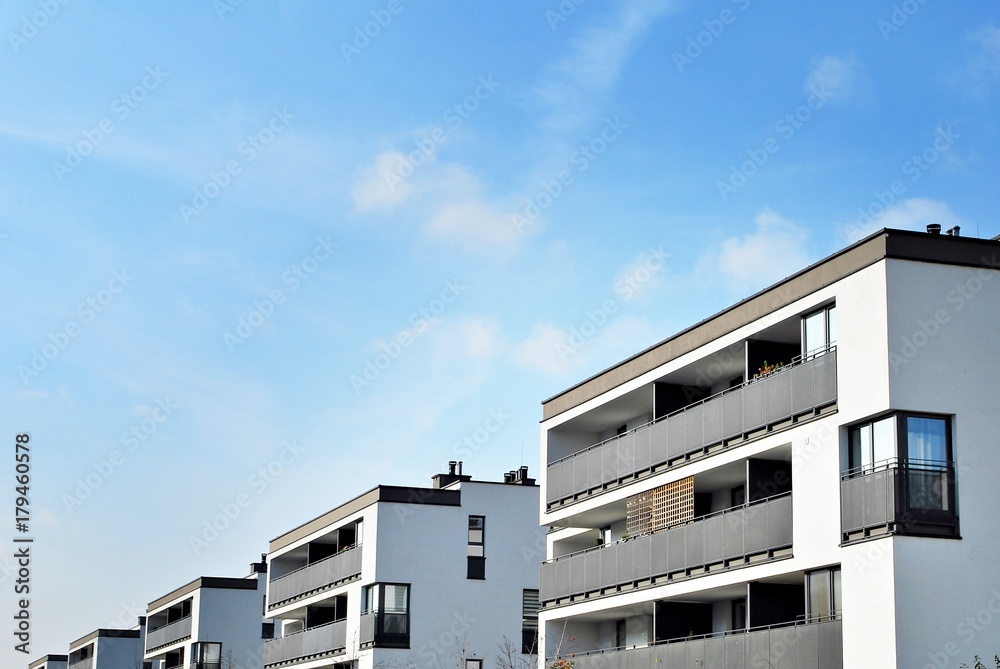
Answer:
x=798 y=645
x=324 y=574
x=314 y=643
x=727 y=539
x=797 y=392
x=168 y=634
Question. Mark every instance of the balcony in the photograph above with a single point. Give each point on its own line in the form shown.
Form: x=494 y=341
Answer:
x=328 y=639
x=800 y=645
x=86 y=663
x=912 y=497
x=326 y=573
x=797 y=392
x=385 y=630
x=722 y=540
x=168 y=634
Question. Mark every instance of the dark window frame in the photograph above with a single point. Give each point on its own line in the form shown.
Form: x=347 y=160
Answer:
x=376 y=606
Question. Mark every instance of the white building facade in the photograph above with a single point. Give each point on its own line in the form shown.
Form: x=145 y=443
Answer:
x=209 y=623
x=445 y=576
x=805 y=479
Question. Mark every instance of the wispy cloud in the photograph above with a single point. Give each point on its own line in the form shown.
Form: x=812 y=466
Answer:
x=982 y=71
x=576 y=87
x=912 y=214
x=840 y=79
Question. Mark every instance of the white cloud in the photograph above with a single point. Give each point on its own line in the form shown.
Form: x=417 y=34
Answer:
x=841 y=80
x=578 y=83
x=773 y=251
x=912 y=214
x=540 y=350
x=381 y=184
x=983 y=68
x=480 y=338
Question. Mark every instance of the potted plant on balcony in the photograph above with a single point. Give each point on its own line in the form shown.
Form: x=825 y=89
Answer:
x=562 y=663
x=767 y=369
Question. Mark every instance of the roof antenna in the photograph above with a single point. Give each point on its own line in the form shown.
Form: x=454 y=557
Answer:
x=522 y=451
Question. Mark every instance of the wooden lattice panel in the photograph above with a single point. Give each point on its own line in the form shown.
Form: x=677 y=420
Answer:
x=638 y=514
x=672 y=504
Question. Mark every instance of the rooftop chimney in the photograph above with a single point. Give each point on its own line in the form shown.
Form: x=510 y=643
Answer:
x=518 y=477
x=933 y=229
x=953 y=232
x=454 y=474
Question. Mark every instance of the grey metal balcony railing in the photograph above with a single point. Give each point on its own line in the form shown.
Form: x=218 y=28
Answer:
x=86 y=663
x=798 y=389
x=727 y=538
x=339 y=568
x=800 y=645
x=898 y=496
x=326 y=639
x=161 y=636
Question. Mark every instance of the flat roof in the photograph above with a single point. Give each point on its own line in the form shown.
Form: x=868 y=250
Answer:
x=47 y=658
x=204 y=582
x=886 y=243
x=123 y=634
x=382 y=493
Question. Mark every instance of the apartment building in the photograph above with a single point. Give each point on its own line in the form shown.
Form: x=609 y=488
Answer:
x=444 y=576
x=805 y=479
x=107 y=649
x=210 y=623
x=50 y=661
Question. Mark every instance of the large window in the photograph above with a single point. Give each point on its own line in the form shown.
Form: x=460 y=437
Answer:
x=388 y=604
x=918 y=440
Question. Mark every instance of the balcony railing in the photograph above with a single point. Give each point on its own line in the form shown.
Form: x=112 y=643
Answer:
x=801 y=645
x=339 y=568
x=390 y=630
x=86 y=663
x=175 y=631
x=725 y=539
x=797 y=391
x=899 y=497
x=328 y=639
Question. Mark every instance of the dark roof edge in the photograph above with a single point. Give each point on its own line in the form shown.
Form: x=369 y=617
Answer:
x=382 y=493
x=106 y=633
x=48 y=658
x=885 y=243
x=218 y=582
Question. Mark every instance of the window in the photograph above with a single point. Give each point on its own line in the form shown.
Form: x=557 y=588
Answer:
x=819 y=331
x=823 y=594
x=529 y=622
x=900 y=477
x=473 y=664
x=205 y=655
x=389 y=606
x=477 y=540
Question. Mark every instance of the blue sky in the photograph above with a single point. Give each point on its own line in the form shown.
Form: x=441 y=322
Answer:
x=260 y=257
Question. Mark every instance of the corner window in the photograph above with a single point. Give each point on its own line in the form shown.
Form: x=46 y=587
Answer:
x=387 y=608
x=900 y=477
x=205 y=655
